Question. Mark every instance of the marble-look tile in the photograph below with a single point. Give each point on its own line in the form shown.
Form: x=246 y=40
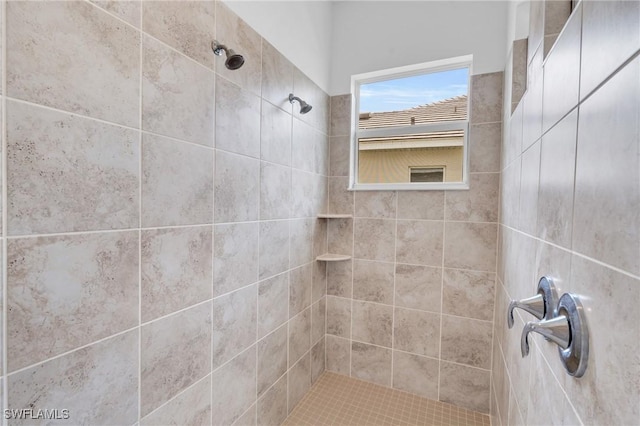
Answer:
x=176 y=352
x=249 y=418
x=275 y=135
x=339 y=316
x=191 y=407
x=606 y=215
x=464 y=386
x=376 y=204
x=556 y=13
x=303 y=142
x=98 y=384
x=468 y=293
x=275 y=191
x=510 y=194
x=340 y=199
x=374 y=239
x=416 y=374
x=317 y=360
x=486 y=98
x=320 y=235
x=561 y=70
x=419 y=242
x=299 y=381
x=518 y=70
x=427 y=205
x=234 y=324
x=610 y=36
x=340 y=236
x=321 y=154
x=532 y=102
x=273 y=296
x=340 y=278
x=188 y=26
x=338 y=353
x=300 y=283
x=277 y=78
x=272 y=406
x=373 y=281
x=318 y=320
x=66 y=173
x=274 y=248
x=235 y=257
x=305 y=199
x=237 y=188
x=306 y=89
x=237 y=119
x=302 y=239
x=299 y=336
x=341 y=115
x=529 y=182
x=470 y=246
x=557 y=172
x=339 y=155
x=466 y=341
x=371 y=363
x=536 y=28
x=234 y=388
x=128 y=11
x=54 y=281
x=177 y=95
x=272 y=358
x=417 y=332
x=318 y=281
x=484 y=147
x=501 y=387
x=512 y=142
x=418 y=287
x=609 y=300
x=479 y=203
x=176 y=267
x=233 y=32
x=372 y=323
x=104 y=84
x=177 y=183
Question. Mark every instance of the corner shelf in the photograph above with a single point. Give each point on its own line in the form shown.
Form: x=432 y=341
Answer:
x=334 y=216
x=330 y=257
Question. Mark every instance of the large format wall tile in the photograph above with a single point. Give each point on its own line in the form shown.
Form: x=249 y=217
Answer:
x=92 y=68
x=466 y=341
x=376 y=204
x=272 y=358
x=484 y=147
x=191 y=407
x=299 y=381
x=237 y=188
x=417 y=332
x=97 y=384
x=126 y=10
x=176 y=352
x=479 y=203
x=300 y=289
x=177 y=183
x=167 y=287
x=468 y=293
x=371 y=363
x=373 y=281
x=338 y=355
x=66 y=173
x=68 y=291
x=273 y=303
x=188 y=26
x=177 y=95
x=275 y=135
x=237 y=119
x=416 y=374
x=235 y=257
x=272 y=406
x=299 y=336
x=274 y=248
x=372 y=323
x=277 y=77
x=339 y=316
x=234 y=324
x=529 y=182
x=463 y=386
x=606 y=219
x=234 y=388
x=419 y=242
x=486 y=98
x=374 y=239
x=427 y=205
x=418 y=287
x=470 y=246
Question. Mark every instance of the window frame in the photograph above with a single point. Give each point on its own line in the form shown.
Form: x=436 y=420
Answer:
x=400 y=72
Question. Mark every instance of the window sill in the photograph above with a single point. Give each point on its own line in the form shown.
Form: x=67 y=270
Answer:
x=446 y=186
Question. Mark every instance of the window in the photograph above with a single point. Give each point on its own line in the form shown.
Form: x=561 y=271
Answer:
x=410 y=127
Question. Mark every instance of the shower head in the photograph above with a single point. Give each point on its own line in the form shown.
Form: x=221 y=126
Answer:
x=234 y=60
x=304 y=107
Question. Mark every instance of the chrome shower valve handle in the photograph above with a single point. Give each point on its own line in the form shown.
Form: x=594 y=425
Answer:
x=541 y=306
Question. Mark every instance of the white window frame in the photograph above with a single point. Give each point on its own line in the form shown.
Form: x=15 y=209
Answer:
x=392 y=74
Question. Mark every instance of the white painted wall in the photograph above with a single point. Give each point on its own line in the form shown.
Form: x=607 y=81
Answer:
x=300 y=30
x=374 y=35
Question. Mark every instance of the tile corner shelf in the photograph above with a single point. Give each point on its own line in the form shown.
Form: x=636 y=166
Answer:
x=334 y=216
x=330 y=257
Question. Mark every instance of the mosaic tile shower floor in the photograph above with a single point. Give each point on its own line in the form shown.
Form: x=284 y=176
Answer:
x=341 y=400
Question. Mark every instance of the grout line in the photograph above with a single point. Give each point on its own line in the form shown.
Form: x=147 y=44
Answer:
x=140 y=169
x=4 y=351
x=444 y=227
x=176 y=396
x=393 y=301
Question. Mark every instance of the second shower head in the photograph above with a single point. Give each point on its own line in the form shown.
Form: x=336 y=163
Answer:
x=304 y=107
x=234 y=60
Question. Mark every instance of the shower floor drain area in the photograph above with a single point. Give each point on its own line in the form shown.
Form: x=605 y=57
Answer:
x=341 y=400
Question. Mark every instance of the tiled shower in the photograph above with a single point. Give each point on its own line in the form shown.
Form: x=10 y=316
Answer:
x=160 y=229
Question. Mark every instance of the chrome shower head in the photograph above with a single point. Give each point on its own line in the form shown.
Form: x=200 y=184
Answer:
x=234 y=60
x=304 y=107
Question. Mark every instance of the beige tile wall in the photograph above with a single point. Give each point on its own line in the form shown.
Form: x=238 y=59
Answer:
x=413 y=310
x=570 y=209
x=160 y=217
